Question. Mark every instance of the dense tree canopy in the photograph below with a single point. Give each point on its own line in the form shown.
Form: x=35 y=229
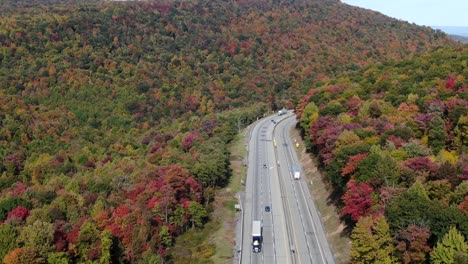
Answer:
x=116 y=115
x=390 y=137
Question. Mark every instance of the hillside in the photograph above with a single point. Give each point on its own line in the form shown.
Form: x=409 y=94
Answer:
x=462 y=39
x=116 y=115
x=392 y=139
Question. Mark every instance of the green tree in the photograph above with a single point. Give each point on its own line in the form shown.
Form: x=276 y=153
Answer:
x=461 y=131
x=451 y=246
x=415 y=148
x=437 y=134
x=179 y=217
x=57 y=258
x=377 y=169
x=198 y=214
x=409 y=208
x=165 y=236
x=371 y=241
x=309 y=114
x=38 y=236
x=7 y=239
x=106 y=247
x=149 y=257
x=88 y=237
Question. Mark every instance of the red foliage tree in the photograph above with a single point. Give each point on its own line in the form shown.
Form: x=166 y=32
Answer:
x=450 y=82
x=319 y=125
x=397 y=141
x=422 y=165
x=357 y=199
x=352 y=164
x=19 y=212
x=303 y=103
x=121 y=211
x=189 y=140
x=464 y=175
x=73 y=236
x=463 y=206
x=326 y=141
x=14 y=162
x=388 y=194
x=422 y=120
x=412 y=243
x=60 y=238
x=354 y=104
x=19 y=189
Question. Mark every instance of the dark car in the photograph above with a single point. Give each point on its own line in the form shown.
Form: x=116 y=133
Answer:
x=264 y=166
x=267 y=208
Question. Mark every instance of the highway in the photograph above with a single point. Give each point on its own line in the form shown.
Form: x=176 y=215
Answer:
x=292 y=229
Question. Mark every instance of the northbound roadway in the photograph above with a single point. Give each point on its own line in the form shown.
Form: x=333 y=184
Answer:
x=292 y=229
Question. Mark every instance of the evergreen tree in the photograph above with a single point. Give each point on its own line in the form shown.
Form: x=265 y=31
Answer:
x=437 y=134
x=371 y=241
x=452 y=247
x=7 y=239
x=39 y=237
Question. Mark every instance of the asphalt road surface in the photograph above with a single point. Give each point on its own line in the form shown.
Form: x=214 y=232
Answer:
x=292 y=229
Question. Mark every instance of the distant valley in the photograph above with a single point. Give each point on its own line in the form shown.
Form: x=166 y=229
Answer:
x=457 y=33
x=460 y=31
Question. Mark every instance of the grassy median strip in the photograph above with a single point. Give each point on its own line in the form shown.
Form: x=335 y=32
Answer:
x=223 y=207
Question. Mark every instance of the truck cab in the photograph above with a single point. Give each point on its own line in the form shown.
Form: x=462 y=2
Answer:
x=257 y=236
x=296 y=171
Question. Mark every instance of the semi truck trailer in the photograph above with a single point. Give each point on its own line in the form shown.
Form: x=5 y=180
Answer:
x=257 y=236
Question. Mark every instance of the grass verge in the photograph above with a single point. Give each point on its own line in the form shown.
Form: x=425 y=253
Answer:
x=223 y=207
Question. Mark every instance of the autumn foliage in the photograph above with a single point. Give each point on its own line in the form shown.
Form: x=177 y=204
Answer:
x=391 y=139
x=357 y=200
x=116 y=115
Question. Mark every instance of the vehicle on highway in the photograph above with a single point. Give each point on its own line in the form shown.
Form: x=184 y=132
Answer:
x=282 y=111
x=264 y=166
x=296 y=171
x=267 y=208
x=257 y=236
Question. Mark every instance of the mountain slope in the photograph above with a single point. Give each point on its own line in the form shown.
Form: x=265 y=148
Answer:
x=392 y=139
x=116 y=115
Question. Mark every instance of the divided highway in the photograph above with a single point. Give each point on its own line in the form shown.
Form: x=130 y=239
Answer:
x=292 y=231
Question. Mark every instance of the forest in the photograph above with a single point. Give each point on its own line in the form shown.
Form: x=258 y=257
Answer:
x=393 y=140
x=116 y=118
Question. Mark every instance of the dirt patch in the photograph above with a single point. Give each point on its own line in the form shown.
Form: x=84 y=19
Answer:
x=321 y=192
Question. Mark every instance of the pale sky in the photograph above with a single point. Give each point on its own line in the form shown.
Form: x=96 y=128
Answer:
x=421 y=12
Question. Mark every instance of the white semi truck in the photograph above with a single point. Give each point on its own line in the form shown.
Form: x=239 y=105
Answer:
x=257 y=236
x=282 y=111
x=296 y=171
